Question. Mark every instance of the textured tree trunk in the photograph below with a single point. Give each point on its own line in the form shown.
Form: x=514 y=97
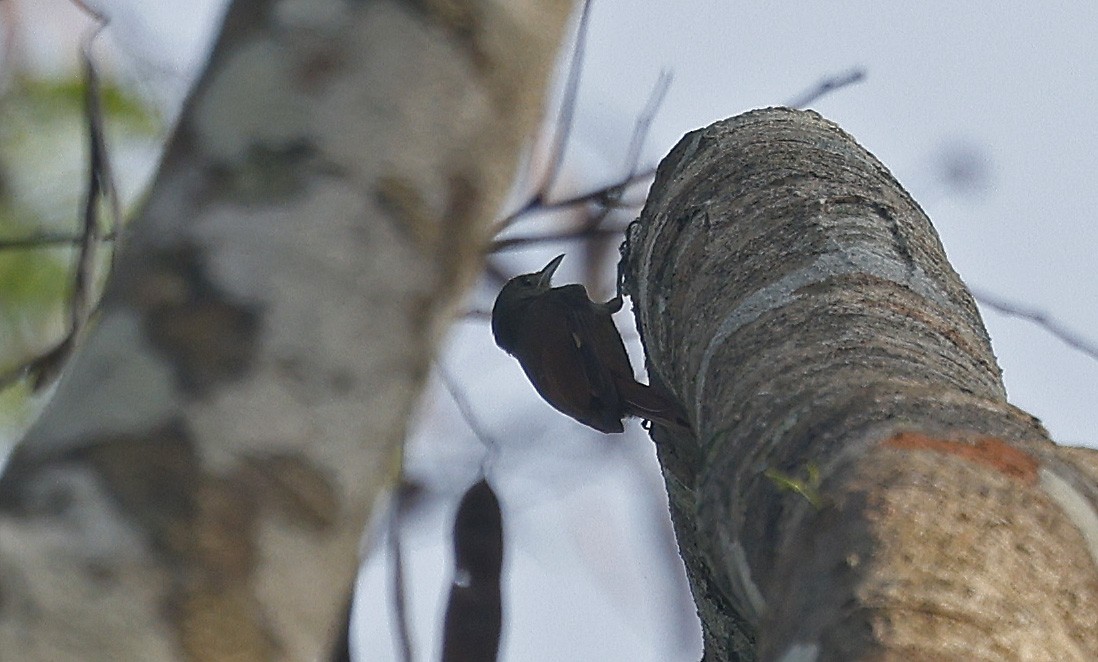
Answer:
x=198 y=488
x=858 y=486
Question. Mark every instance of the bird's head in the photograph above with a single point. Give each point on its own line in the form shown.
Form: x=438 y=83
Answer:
x=525 y=286
x=518 y=290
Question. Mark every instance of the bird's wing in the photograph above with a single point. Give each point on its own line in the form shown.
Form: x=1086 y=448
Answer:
x=604 y=346
x=564 y=364
x=609 y=355
x=599 y=344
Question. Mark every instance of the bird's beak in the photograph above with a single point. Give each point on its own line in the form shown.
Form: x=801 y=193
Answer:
x=546 y=274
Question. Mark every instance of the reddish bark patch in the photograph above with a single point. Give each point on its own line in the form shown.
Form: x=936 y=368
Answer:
x=988 y=451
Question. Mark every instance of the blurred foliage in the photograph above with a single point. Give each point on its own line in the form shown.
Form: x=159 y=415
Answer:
x=43 y=185
x=34 y=284
x=61 y=97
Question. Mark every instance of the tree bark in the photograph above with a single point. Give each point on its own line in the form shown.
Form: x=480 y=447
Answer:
x=199 y=486
x=858 y=486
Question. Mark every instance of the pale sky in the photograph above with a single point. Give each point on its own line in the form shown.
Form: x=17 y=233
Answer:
x=1009 y=85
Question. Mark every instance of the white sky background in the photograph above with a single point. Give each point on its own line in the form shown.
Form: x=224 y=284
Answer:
x=1012 y=84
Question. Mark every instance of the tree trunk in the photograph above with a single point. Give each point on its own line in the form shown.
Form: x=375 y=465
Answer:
x=199 y=486
x=858 y=486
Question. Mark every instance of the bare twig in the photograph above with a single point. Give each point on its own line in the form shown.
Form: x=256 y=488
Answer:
x=567 y=107
x=608 y=198
x=99 y=18
x=602 y=196
x=827 y=86
x=98 y=185
x=1040 y=318
x=599 y=242
x=465 y=407
x=100 y=166
x=399 y=602
x=644 y=124
x=44 y=368
x=50 y=240
x=512 y=243
x=563 y=127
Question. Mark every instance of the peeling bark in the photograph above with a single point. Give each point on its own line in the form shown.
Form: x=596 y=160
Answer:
x=198 y=487
x=858 y=486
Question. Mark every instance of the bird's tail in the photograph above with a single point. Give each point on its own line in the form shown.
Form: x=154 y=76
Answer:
x=653 y=404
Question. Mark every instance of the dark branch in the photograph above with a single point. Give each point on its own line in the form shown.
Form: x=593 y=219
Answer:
x=50 y=240
x=501 y=245
x=827 y=86
x=563 y=127
x=1040 y=318
x=44 y=368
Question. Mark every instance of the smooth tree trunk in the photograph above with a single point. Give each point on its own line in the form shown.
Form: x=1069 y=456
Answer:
x=858 y=486
x=199 y=486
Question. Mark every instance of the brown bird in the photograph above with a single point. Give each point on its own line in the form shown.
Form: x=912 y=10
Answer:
x=573 y=354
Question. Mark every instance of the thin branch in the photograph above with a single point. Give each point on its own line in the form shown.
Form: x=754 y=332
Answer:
x=644 y=123
x=827 y=86
x=614 y=195
x=465 y=407
x=1040 y=318
x=601 y=196
x=98 y=185
x=608 y=197
x=512 y=243
x=99 y=155
x=44 y=368
x=99 y=18
x=568 y=105
x=400 y=606
x=43 y=364
x=51 y=240
x=476 y=314
x=611 y=196
x=563 y=128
